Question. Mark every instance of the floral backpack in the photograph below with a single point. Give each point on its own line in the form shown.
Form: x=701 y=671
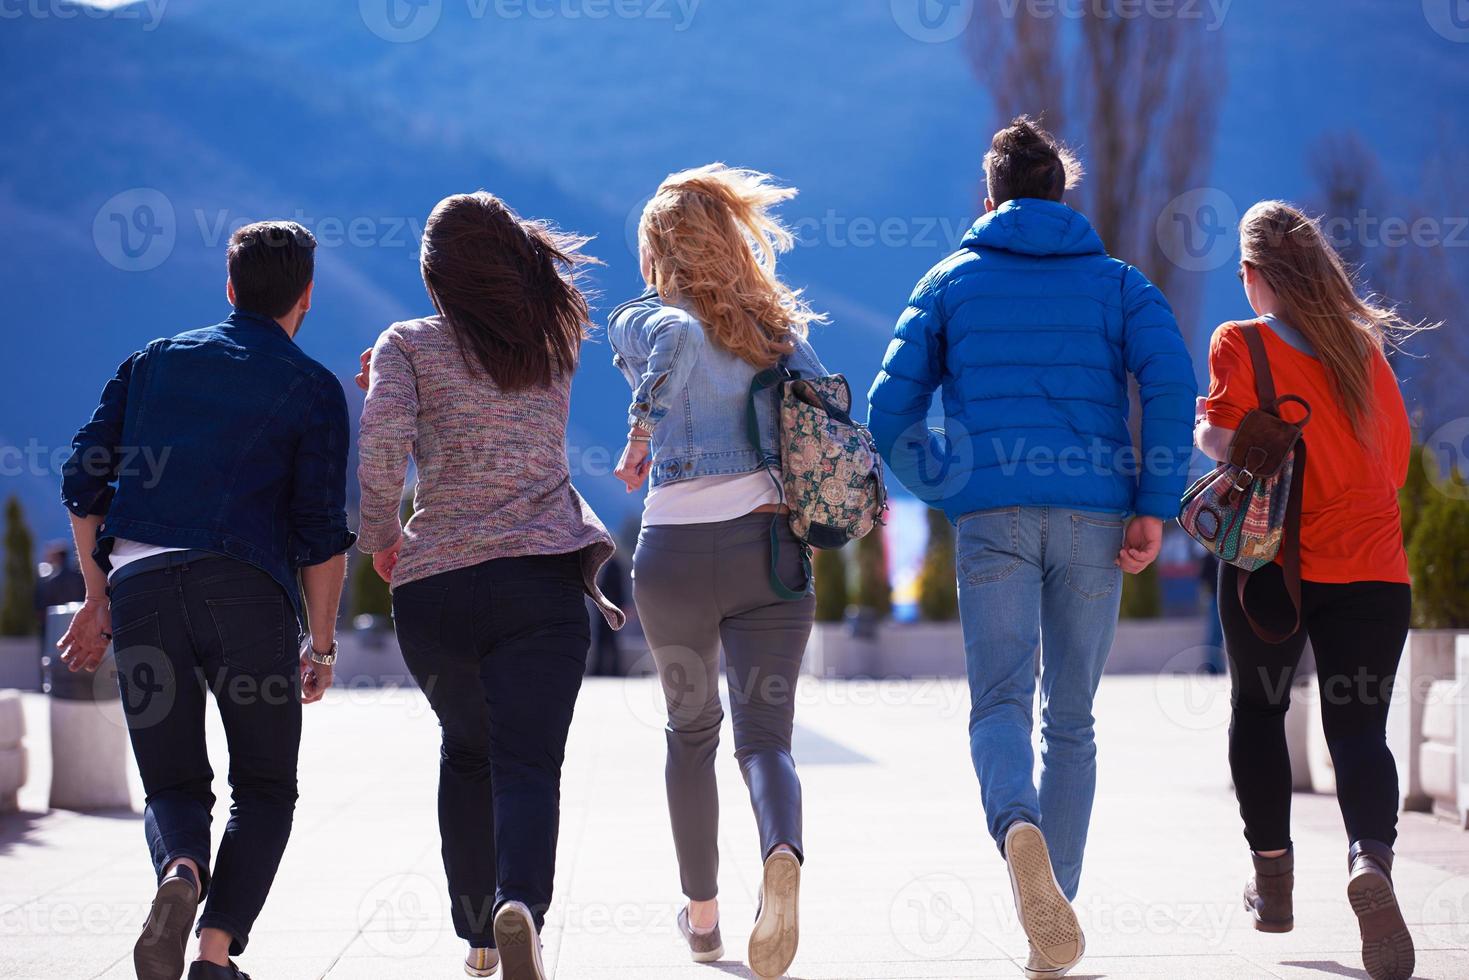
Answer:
x=830 y=473
x=1248 y=509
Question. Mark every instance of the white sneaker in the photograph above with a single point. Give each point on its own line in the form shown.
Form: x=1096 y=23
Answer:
x=482 y=962
x=518 y=942
x=1046 y=916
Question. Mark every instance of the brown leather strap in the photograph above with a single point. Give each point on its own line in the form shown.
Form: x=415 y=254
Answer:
x=1264 y=380
x=1290 y=551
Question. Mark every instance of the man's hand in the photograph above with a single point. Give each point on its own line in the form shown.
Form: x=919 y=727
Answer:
x=88 y=637
x=315 y=679
x=1140 y=543
x=363 y=378
x=632 y=469
x=386 y=561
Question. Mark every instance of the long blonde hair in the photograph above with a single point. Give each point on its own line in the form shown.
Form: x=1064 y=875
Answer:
x=710 y=241
x=1319 y=298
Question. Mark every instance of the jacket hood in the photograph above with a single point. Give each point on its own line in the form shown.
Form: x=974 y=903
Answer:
x=1029 y=226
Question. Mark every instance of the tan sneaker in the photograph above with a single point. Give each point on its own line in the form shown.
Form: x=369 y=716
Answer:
x=777 y=929
x=704 y=947
x=1036 y=968
x=1046 y=916
x=518 y=943
x=482 y=962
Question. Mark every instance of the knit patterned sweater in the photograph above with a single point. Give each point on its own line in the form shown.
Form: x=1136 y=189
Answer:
x=493 y=479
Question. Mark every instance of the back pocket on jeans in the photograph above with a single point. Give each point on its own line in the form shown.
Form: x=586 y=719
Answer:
x=989 y=545
x=1095 y=543
x=252 y=633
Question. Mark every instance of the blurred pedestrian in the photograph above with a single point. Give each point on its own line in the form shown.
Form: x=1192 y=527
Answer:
x=59 y=584
x=1213 y=628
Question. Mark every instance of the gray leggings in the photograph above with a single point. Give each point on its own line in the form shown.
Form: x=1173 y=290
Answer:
x=698 y=586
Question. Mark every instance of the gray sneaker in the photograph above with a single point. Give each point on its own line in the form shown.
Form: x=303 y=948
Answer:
x=1046 y=916
x=704 y=947
x=518 y=943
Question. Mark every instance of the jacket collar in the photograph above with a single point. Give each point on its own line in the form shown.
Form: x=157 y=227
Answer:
x=1030 y=226
x=244 y=318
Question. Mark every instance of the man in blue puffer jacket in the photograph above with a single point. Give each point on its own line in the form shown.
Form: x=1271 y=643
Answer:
x=1031 y=330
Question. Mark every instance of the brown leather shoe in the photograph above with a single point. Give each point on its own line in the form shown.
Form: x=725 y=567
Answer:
x=704 y=947
x=1387 y=946
x=1268 y=892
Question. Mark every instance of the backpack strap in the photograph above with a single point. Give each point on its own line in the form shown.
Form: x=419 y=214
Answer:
x=773 y=378
x=1290 y=547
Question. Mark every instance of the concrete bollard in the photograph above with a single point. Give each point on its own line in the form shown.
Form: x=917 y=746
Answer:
x=12 y=751
x=89 y=737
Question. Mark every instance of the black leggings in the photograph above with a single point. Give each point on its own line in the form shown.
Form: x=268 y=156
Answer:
x=1357 y=631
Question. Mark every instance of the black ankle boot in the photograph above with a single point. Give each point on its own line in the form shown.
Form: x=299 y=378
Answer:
x=1387 y=946
x=1268 y=892
x=203 y=970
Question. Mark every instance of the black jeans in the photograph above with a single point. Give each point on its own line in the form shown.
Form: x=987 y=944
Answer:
x=179 y=633
x=1357 y=631
x=499 y=649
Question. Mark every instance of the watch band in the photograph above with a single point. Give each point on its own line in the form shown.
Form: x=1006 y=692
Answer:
x=328 y=659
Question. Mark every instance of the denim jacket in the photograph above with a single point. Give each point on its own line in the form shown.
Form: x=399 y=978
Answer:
x=693 y=395
x=227 y=439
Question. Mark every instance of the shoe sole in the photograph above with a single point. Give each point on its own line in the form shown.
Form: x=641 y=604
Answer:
x=712 y=956
x=1387 y=946
x=777 y=931
x=159 y=951
x=1046 y=916
x=519 y=946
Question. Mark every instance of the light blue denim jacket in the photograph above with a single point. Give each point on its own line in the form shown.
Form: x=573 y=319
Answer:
x=693 y=395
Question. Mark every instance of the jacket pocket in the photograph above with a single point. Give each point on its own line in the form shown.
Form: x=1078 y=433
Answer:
x=989 y=545
x=1095 y=543
x=252 y=633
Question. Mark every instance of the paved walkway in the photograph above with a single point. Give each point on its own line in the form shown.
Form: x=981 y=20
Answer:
x=900 y=882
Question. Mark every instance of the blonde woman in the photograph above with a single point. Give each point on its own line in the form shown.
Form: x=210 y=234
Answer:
x=1325 y=344
x=704 y=574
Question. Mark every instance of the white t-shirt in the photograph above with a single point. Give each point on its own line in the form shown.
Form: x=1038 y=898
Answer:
x=125 y=552
x=709 y=499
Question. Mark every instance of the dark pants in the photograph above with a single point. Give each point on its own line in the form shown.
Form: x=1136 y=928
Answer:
x=223 y=626
x=499 y=649
x=1357 y=631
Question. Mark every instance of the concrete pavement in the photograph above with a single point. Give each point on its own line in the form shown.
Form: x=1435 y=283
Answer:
x=901 y=880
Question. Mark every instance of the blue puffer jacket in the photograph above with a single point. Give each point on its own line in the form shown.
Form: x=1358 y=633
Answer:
x=1031 y=330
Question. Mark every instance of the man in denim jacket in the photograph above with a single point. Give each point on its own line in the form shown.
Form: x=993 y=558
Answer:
x=208 y=500
x=1031 y=331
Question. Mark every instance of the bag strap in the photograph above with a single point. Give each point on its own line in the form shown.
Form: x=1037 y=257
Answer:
x=1290 y=549
x=1264 y=380
x=761 y=383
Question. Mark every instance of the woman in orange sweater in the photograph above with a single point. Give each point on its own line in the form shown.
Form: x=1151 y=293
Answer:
x=1324 y=343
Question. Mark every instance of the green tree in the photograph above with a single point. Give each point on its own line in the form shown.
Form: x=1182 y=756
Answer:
x=874 y=589
x=1142 y=595
x=17 y=609
x=1438 y=555
x=938 y=584
x=829 y=569
x=371 y=596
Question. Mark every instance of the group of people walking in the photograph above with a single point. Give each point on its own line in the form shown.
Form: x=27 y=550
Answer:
x=203 y=577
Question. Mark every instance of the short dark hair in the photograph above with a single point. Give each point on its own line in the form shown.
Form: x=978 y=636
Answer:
x=1026 y=161
x=271 y=264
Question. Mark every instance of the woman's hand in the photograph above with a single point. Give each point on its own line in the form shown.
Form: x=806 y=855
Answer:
x=363 y=378
x=386 y=561
x=632 y=469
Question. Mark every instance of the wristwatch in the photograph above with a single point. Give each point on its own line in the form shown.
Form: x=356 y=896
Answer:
x=327 y=659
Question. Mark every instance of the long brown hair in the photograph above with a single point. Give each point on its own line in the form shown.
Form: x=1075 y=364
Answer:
x=1319 y=298
x=507 y=288
x=711 y=240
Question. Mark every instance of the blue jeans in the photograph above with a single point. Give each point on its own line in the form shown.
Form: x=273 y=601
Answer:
x=1047 y=577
